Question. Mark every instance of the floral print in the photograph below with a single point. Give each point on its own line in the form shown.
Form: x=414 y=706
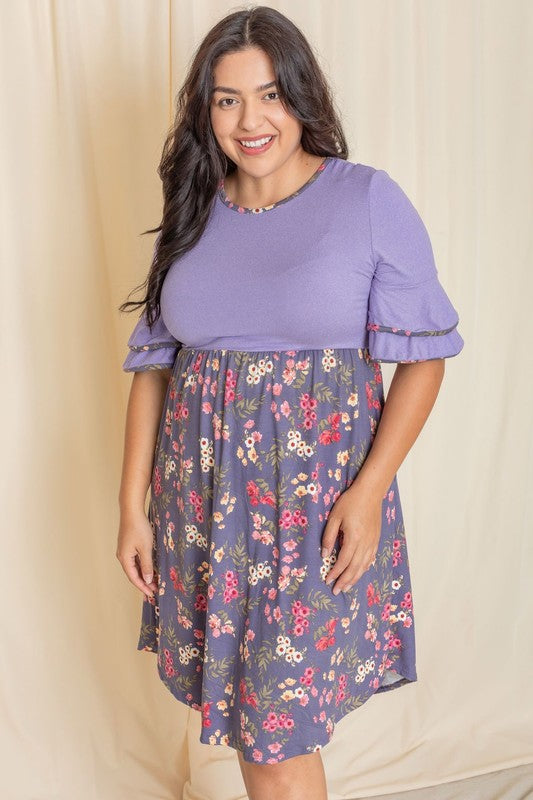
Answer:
x=252 y=451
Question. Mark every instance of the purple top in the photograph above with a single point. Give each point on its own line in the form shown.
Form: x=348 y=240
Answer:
x=343 y=262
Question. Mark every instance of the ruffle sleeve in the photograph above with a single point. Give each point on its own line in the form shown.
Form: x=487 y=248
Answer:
x=150 y=349
x=410 y=316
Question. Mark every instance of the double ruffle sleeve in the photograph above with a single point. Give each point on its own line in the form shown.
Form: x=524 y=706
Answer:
x=150 y=349
x=410 y=316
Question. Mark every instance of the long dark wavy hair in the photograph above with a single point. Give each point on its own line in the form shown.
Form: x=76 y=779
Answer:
x=193 y=164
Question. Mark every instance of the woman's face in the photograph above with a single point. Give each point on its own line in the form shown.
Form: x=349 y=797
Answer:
x=241 y=110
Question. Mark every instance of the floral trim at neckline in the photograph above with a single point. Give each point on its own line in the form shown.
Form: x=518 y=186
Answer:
x=244 y=210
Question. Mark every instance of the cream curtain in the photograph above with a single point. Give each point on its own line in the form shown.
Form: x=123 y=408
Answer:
x=437 y=93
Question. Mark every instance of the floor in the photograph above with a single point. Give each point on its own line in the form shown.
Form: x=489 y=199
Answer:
x=506 y=784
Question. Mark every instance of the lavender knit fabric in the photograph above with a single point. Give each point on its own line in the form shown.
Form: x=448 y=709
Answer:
x=274 y=326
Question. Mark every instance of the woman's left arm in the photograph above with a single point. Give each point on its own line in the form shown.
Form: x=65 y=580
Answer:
x=411 y=396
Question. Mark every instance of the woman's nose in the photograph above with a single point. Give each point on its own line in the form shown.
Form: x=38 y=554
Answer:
x=251 y=117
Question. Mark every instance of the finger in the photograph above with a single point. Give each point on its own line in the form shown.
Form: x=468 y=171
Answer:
x=345 y=556
x=131 y=568
x=147 y=568
x=347 y=581
x=351 y=575
x=331 y=532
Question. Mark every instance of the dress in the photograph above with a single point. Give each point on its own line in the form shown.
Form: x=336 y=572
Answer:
x=274 y=326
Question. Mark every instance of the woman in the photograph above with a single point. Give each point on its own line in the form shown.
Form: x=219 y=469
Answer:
x=273 y=559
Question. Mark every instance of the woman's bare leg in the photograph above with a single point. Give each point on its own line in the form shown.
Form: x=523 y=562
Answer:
x=297 y=778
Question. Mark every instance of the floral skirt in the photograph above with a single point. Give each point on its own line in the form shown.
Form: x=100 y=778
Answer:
x=252 y=451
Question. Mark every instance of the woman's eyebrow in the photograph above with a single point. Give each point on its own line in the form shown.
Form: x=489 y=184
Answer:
x=228 y=90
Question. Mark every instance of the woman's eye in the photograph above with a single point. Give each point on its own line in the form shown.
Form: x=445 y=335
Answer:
x=223 y=103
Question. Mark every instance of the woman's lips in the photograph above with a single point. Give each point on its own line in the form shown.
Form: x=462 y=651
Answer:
x=254 y=151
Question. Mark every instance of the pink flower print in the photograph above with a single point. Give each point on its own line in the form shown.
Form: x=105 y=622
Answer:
x=206 y=709
x=328 y=436
x=277 y=388
x=289 y=373
x=327 y=641
x=199 y=635
x=396 y=553
x=372 y=402
x=253 y=492
x=230 y=594
x=156 y=481
x=285 y=408
x=229 y=387
x=306 y=401
x=176 y=580
x=271 y=722
x=372 y=597
x=285 y=519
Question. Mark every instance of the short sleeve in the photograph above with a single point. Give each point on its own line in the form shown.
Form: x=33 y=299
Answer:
x=155 y=349
x=410 y=316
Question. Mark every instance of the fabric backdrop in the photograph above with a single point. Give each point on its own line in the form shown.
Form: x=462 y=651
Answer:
x=438 y=94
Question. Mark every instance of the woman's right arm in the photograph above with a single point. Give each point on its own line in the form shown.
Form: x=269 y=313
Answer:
x=143 y=416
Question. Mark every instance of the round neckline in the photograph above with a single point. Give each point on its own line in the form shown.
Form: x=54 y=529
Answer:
x=221 y=192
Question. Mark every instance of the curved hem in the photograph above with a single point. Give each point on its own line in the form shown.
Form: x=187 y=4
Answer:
x=404 y=679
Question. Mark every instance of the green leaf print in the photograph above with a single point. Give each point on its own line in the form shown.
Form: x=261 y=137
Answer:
x=351 y=657
x=148 y=636
x=323 y=393
x=219 y=669
x=190 y=581
x=275 y=454
x=170 y=635
x=247 y=406
x=264 y=695
x=319 y=600
x=344 y=374
x=264 y=655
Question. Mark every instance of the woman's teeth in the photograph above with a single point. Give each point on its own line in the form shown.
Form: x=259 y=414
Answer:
x=258 y=143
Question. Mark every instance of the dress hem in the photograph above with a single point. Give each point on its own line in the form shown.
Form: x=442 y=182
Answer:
x=404 y=679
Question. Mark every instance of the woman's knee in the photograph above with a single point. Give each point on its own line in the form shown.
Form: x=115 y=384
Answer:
x=293 y=778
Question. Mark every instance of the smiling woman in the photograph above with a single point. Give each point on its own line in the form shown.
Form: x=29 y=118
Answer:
x=250 y=122
x=285 y=274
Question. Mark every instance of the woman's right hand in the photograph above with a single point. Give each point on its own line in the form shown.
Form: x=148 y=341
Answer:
x=134 y=550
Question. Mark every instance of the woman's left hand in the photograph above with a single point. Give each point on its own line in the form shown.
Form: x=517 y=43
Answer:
x=358 y=515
